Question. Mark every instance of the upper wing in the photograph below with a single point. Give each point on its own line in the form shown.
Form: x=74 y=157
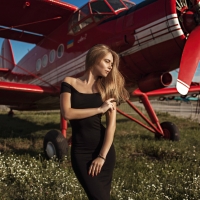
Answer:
x=30 y=21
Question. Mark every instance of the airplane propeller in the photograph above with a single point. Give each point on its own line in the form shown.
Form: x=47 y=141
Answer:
x=189 y=60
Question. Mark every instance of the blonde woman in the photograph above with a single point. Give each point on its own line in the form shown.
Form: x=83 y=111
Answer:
x=83 y=101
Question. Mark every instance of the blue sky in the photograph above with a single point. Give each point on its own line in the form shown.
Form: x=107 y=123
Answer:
x=20 y=49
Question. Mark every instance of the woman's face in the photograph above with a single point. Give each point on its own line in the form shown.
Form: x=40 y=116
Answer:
x=104 y=66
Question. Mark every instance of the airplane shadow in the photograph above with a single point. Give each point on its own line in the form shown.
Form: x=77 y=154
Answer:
x=14 y=127
x=22 y=136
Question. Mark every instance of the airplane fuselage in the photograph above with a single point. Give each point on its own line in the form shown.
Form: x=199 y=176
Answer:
x=148 y=37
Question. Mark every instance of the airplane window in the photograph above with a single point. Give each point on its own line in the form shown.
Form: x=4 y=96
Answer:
x=38 y=65
x=116 y=4
x=84 y=12
x=60 y=51
x=99 y=7
x=99 y=17
x=76 y=29
x=79 y=15
x=74 y=18
x=44 y=60
x=52 y=56
x=86 y=22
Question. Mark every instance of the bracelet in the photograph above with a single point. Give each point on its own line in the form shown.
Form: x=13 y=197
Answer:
x=101 y=157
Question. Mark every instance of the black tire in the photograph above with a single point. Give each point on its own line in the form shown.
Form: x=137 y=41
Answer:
x=171 y=98
x=170 y=130
x=55 y=144
x=162 y=98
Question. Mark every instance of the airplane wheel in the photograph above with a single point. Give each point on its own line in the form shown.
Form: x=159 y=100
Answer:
x=162 y=98
x=55 y=144
x=170 y=130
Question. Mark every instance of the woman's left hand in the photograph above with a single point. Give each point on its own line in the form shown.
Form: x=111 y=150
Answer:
x=95 y=167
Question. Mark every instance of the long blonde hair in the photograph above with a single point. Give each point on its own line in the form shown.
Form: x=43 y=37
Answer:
x=111 y=86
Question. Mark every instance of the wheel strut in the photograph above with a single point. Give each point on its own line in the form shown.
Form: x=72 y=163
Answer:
x=154 y=125
x=63 y=126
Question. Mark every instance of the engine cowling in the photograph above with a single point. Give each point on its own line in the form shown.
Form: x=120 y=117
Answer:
x=155 y=81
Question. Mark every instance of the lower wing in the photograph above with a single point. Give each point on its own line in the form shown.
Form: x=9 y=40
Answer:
x=28 y=97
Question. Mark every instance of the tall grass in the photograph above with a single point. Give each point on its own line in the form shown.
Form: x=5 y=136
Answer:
x=145 y=168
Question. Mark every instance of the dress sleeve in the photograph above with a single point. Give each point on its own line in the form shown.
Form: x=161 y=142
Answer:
x=65 y=87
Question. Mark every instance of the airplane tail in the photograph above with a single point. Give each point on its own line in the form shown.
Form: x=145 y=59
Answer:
x=7 y=61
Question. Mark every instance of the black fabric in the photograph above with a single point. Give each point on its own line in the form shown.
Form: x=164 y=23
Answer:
x=87 y=140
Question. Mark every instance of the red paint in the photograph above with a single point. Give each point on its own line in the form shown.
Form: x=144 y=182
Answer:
x=149 y=38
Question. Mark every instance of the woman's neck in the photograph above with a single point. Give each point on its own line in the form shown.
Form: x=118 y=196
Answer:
x=89 y=78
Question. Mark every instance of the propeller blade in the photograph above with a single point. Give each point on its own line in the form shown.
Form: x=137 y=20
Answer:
x=189 y=61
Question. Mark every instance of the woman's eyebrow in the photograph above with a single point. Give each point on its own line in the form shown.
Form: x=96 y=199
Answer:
x=109 y=60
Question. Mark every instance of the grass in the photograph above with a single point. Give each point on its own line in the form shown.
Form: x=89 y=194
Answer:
x=145 y=169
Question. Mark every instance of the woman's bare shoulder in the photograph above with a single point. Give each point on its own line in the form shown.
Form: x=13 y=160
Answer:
x=69 y=80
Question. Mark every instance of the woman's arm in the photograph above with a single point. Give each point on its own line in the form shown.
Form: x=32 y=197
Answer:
x=71 y=113
x=97 y=164
x=110 y=130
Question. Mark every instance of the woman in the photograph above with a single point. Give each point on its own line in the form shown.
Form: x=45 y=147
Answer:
x=83 y=101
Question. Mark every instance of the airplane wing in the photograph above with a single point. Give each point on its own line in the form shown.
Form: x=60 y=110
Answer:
x=30 y=21
x=167 y=92
x=25 y=95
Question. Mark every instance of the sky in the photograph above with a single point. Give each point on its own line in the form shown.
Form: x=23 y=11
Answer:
x=20 y=48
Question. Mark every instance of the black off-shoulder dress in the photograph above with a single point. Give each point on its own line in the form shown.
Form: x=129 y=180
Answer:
x=87 y=139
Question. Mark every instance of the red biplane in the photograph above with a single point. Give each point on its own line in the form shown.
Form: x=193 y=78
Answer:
x=152 y=38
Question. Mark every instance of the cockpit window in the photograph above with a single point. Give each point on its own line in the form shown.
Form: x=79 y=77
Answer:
x=79 y=15
x=94 y=11
x=100 y=7
x=77 y=22
x=116 y=4
x=84 y=12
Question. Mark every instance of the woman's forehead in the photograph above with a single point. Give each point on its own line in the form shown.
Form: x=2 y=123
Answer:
x=108 y=56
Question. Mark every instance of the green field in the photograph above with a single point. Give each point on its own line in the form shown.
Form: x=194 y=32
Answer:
x=145 y=169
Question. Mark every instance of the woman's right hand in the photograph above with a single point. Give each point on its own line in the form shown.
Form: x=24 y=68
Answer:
x=108 y=104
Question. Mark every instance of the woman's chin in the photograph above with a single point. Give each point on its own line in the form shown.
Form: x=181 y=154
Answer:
x=103 y=75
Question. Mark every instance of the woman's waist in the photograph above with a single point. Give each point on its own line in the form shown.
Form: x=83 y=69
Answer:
x=87 y=139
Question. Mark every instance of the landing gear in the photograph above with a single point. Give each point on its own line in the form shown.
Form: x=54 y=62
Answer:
x=165 y=130
x=170 y=131
x=10 y=113
x=55 y=145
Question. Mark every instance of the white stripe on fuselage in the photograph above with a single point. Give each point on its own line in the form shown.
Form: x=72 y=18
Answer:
x=149 y=35
x=154 y=33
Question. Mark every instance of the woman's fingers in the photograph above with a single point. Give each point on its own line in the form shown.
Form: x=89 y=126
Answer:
x=111 y=100
x=108 y=104
x=95 y=169
x=98 y=169
x=91 y=168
